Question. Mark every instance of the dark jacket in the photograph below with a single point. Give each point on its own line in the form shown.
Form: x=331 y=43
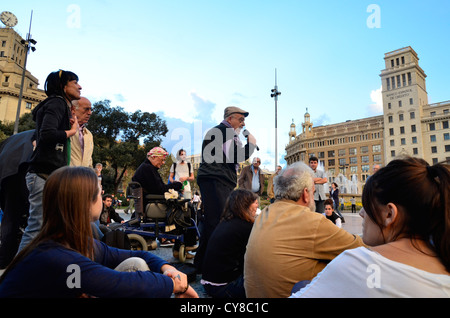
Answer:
x=150 y=179
x=109 y=214
x=52 y=117
x=215 y=163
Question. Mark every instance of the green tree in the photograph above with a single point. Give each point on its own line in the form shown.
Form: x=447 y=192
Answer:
x=118 y=136
x=25 y=123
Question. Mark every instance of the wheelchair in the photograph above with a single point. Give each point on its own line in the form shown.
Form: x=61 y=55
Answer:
x=161 y=217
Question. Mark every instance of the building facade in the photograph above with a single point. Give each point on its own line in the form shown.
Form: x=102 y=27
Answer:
x=408 y=126
x=12 y=61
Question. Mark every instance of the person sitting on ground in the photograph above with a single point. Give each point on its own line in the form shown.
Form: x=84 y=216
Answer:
x=289 y=241
x=330 y=214
x=406 y=212
x=223 y=264
x=64 y=260
x=108 y=215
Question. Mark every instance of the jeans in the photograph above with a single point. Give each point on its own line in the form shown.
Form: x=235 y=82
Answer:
x=35 y=185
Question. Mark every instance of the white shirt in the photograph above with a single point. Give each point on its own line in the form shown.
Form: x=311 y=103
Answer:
x=362 y=273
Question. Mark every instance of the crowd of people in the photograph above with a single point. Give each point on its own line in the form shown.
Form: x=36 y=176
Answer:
x=294 y=247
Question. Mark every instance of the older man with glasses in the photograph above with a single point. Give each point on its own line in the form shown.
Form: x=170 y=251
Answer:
x=251 y=177
x=222 y=151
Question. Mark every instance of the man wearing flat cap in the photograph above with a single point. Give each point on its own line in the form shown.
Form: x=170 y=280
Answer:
x=222 y=151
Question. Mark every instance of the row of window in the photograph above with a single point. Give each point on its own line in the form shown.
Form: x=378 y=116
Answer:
x=400 y=103
x=351 y=151
x=434 y=149
x=401 y=117
x=398 y=81
x=354 y=160
x=343 y=140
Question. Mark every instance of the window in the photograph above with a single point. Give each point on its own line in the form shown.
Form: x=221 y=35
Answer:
x=435 y=161
x=404 y=79
x=399 y=103
x=352 y=151
x=392 y=63
x=331 y=163
x=415 y=151
x=353 y=160
x=434 y=149
x=388 y=83
x=3 y=43
x=376 y=148
x=402 y=130
x=414 y=140
x=433 y=138
x=447 y=136
x=411 y=101
x=364 y=149
x=413 y=128
x=389 y=106
x=393 y=82
x=412 y=115
x=341 y=152
x=29 y=105
x=432 y=126
x=447 y=148
x=392 y=153
x=321 y=154
x=331 y=153
x=403 y=60
x=398 y=61
x=445 y=124
x=390 y=119
x=392 y=143
x=342 y=162
x=398 y=80
x=400 y=117
x=403 y=141
x=377 y=158
x=391 y=131
x=365 y=168
x=409 y=79
x=364 y=159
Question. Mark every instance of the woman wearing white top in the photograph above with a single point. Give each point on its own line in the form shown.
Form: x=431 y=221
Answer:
x=405 y=212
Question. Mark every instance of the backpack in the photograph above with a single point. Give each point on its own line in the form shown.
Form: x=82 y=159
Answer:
x=174 y=167
x=117 y=238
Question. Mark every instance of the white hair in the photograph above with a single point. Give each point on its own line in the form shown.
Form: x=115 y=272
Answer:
x=291 y=181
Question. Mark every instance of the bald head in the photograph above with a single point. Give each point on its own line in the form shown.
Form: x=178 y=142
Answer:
x=82 y=109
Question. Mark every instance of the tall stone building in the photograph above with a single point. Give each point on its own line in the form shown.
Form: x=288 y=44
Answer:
x=408 y=126
x=12 y=61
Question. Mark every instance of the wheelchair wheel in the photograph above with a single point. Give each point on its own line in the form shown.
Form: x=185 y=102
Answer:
x=182 y=253
x=138 y=243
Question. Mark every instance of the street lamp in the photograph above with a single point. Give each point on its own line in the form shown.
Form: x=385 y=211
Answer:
x=275 y=94
x=29 y=42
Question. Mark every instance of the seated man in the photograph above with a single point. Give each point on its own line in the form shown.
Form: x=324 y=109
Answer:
x=151 y=182
x=148 y=176
x=108 y=213
x=298 y=241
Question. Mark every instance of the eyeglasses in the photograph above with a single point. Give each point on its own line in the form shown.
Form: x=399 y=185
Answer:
x=241 y=119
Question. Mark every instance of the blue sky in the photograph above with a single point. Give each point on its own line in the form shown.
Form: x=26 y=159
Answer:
x=188 y=59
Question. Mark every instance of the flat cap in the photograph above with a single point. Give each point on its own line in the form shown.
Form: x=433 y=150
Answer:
x=233 y=110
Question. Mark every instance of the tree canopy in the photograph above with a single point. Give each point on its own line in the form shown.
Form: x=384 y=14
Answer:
x=122 y=139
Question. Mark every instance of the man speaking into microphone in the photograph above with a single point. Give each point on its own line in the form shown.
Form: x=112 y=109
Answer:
x=222 y=151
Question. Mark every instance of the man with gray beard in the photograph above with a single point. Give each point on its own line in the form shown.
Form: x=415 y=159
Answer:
x=289 y=241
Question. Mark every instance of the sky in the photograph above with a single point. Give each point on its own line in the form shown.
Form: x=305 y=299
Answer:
x=187 y=60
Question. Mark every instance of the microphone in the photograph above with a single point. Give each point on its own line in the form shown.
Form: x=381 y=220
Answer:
x=245 y=133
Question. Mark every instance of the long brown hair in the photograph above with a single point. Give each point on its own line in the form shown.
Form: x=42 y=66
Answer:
x=69 y=193
x=238 y=204
x=423 y=192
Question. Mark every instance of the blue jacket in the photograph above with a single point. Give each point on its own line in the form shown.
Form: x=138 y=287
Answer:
x=46 y=271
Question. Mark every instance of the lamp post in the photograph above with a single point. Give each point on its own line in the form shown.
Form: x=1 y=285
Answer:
x=275 y=94
x=28 y=46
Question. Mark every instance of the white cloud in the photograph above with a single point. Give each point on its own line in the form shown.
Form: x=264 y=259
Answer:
x=377 y=99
